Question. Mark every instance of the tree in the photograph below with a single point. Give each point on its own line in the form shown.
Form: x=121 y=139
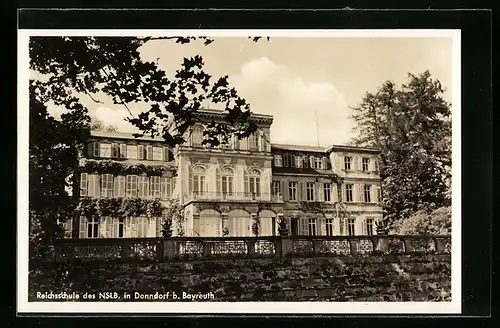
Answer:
x=70 y=68
x=98 y=125
x=437 y=222
x=412 y=128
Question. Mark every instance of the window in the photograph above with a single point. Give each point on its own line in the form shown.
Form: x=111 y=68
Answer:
x=131 y=186
x=312 y=227
x=310 y=191
x=198 y=180
x=347 y=163
x=142 y=226
x=318 y=163
x=327 y=192
x=155 y=187
x=254 y=182
x=292 y=160
x=105 y=150
x=107 y=185
x=143 y=186
x=276 y=188
x=292 y=190
x=286 y=159
x=167 y=187
x=121 y=228
x=298 y=161
x=83 y=184
x=366 y=163
x=367 y=193
x=93 y=227
x=93 y=185
x=123 y=150
x=197 y=136
x=119 y=187
x=305 y=162
x=278 y=160
x=329 y=227
x=132 y=152
x=348 y=192
x=157 y=153
x=149 y=153
x=115 y=150
x=226 y=181
x=253 y=142
x=369 y=226
x=351 y=224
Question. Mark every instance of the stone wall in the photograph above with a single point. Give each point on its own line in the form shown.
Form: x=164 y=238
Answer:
x=390 y=277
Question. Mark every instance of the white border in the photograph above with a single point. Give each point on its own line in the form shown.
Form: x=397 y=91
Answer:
x=453 y=307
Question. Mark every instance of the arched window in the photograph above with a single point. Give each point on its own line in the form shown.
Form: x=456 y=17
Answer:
x=252 y=183
x=225 y=182
x=198 y=181
x=197 y=136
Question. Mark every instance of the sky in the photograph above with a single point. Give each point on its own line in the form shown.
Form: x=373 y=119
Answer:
x=308 y=84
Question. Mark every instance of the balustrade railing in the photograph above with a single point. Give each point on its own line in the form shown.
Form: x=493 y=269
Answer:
x=235 y=196
x=198 y=248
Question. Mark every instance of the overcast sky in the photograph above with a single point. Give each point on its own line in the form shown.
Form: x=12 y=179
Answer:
x=295 y=78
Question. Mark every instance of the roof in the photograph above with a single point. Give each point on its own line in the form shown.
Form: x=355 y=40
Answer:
x=320 y=149
x=352 y=149
x=219 y=111
x=122 y=135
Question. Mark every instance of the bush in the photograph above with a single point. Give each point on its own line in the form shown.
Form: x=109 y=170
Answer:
x=436 y=222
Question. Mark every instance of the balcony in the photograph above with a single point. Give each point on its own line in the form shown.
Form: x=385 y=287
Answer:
x=235 y=196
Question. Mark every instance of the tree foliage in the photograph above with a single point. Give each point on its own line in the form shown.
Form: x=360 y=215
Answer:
x=70 y=68
x=437 y=222
x=411 y=125
x=98 y=125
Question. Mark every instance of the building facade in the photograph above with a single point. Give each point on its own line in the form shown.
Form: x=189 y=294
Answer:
x=227 y=190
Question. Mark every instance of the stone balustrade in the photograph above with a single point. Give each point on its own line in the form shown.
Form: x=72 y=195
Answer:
x=201 y=248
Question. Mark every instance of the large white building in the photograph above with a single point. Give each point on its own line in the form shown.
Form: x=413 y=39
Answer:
x=224 y=190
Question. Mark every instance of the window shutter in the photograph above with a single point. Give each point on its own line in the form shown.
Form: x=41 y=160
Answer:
x=321 y=226
x=379 y=194
x=323 y=163
x=165 y=154
x=218 y=182
x=140 y=152
x=338 y=164
x=83 y=227
x=196 y=226
x=265 y=185
x=246 y=183
x=360 y=193
x=303 y=231
x=116 y=186
x=363 y=227
x=158 y=226
x=311 y=162
x=83 y=184
x=134 y=227
x=375 y=165
x=96 y=149
x=114 y=231
x=109 y=227
x=284 y=190
x=149 y=152
x=343 y=193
